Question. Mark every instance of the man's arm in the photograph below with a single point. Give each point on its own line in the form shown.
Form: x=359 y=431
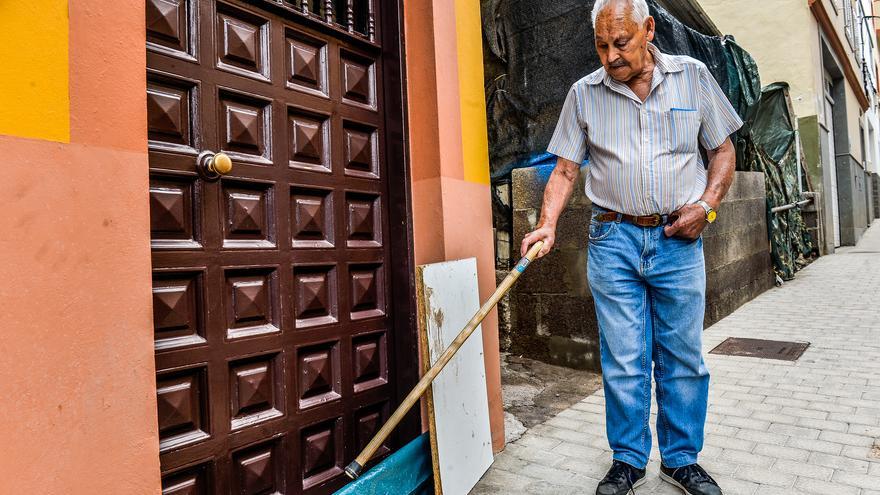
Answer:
x=692 y=218
x=556 y=195
x=722 y=164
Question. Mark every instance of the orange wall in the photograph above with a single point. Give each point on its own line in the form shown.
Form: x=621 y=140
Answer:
x=76 y=345
x=452 y=215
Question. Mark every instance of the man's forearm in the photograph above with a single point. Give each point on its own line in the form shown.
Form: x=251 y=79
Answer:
x=722 y=165
x=558 y=191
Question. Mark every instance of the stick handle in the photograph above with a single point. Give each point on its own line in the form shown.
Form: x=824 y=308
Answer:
x=353 y=470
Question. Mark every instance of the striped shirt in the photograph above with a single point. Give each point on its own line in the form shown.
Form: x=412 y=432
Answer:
x=643 y=156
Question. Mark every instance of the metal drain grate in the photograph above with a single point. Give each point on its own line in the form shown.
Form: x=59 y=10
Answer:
x=767 y=349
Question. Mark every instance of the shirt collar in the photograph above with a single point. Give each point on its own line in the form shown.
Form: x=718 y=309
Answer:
x=663 y=62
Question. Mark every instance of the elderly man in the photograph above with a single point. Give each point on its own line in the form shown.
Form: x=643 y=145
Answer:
x=640 y=119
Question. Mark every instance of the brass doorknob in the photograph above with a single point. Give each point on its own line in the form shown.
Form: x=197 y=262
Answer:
x=212 y=166
x=221 y=164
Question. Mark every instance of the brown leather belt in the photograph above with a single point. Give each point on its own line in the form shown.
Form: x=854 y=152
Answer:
x=654 y=220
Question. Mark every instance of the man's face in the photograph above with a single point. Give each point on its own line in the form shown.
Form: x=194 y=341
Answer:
x=621 y=43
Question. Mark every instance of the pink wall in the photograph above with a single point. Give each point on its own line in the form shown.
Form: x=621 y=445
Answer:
x=452 y=217
x=76 y=345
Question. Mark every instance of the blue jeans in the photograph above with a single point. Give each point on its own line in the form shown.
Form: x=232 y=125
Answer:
x=649 y=292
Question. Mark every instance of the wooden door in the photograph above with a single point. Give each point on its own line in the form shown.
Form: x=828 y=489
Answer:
x=277 y=312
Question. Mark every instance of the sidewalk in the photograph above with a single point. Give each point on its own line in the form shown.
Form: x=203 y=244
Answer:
x=774 y=427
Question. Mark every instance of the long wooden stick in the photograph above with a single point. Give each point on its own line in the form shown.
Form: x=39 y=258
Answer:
x=353 y=470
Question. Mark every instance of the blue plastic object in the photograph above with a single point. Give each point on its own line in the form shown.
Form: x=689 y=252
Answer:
x=405 y=472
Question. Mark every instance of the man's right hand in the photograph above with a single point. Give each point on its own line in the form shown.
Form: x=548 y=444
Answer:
x=546 y=234
x=556 y=195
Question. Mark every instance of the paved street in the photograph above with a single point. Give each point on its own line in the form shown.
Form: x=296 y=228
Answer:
x=774 y=427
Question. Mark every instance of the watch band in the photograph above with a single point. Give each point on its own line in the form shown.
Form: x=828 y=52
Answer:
x=705 y=206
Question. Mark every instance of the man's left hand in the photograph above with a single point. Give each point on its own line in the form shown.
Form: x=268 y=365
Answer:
x=689 y=224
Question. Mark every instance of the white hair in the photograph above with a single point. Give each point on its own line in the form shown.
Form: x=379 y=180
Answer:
x=638 y=13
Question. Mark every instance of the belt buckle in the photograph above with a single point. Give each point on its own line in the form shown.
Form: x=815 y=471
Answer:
x=657 y=218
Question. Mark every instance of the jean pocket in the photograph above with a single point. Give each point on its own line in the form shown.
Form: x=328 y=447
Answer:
x=601 y=230
x=682 y=128
x=687 y=241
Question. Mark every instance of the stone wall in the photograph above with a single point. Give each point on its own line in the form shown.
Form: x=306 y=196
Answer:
x=851 y=198
x=869 y=198
x=549 y=314
x=737 y=250
x=875 y=193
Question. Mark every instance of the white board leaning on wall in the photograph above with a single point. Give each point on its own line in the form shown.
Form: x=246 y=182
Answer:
x=458 y=407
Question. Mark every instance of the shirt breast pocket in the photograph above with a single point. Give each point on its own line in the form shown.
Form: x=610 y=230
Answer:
x=683 y=126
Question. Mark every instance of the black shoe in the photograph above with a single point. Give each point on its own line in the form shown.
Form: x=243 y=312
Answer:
x=621 y=479
x=692 y=479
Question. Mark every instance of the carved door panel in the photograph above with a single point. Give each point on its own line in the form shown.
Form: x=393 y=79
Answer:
x=271 y=284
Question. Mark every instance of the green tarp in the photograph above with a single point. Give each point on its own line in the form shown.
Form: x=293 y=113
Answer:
x=772 y=147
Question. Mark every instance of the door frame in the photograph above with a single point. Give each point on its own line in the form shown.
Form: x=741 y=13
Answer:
x=828 y=126
x=831 y=77
x=402 y=276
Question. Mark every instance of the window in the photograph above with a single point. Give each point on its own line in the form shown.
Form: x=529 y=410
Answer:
x=862 y=139
x=859 y=28
x=355 y=16
x=849 y=22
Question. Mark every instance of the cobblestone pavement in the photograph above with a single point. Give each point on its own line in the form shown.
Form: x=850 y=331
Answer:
x=774 y=427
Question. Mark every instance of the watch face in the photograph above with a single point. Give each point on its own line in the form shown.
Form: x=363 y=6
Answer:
x=711 y=216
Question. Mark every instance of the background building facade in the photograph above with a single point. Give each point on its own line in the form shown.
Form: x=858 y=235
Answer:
x=826 y=51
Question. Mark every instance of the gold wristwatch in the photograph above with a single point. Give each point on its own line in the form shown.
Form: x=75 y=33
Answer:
x=711 y=214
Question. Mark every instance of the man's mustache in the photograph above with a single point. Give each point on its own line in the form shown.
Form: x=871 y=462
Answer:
x=618 y=63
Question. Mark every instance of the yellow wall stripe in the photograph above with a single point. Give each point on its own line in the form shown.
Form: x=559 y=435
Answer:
x=34 y=90
x=474 y=135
